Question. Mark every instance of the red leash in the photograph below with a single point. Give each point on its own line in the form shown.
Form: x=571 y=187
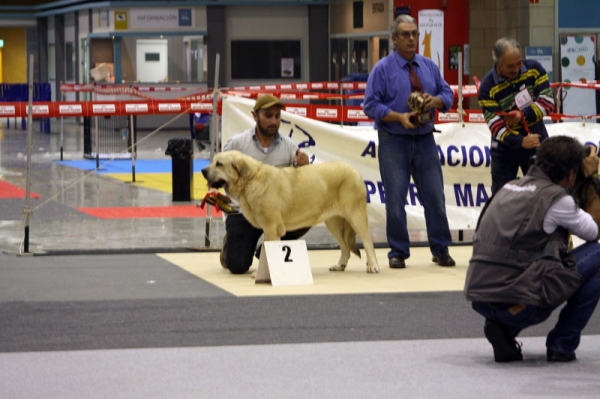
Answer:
x=218 y=200
x=523 y=121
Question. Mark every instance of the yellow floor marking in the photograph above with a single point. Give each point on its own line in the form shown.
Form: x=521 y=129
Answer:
x=420 y=274
x=162 y=182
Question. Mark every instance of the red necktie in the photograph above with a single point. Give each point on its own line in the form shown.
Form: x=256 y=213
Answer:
x=415 y=82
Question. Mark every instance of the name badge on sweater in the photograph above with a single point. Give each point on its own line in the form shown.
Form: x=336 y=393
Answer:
x=523 y=99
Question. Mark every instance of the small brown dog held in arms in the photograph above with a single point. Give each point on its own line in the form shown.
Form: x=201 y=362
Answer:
x=277 y=200
x=416 y=102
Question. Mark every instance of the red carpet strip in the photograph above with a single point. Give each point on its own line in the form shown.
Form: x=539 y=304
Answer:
x=8 y=190
x=140 y=212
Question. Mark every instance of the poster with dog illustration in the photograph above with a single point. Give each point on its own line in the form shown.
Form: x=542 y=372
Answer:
x=431 y=36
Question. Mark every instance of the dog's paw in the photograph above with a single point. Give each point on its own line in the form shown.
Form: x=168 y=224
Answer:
x=373 y=269
x=253 y=275
x=338 y=268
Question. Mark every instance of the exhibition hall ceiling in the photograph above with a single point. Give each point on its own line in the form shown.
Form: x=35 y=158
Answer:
x=46 y=5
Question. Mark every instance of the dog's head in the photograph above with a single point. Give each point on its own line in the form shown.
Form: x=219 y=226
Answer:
x=416 y=102
x=227 y=168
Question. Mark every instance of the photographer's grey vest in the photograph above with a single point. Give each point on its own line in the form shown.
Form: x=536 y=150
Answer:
x=514 y=260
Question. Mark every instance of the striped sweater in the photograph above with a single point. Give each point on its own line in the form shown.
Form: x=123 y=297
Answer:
x=497 y=94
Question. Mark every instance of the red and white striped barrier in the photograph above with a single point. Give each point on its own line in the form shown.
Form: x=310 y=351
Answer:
x=581 y=85
x=72 y=87
x=327 y=113
x=58 y=109
x=300 y=90
x=330 y=113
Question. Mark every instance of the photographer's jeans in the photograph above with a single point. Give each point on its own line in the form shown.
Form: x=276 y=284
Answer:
x=565 y=335
x=401 y=156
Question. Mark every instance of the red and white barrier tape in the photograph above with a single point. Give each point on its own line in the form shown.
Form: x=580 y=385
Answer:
x=468 y=90
x=71 y=87
x=328 y=113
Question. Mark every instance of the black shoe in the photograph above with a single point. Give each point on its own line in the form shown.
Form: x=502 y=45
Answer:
x=258 y=251
x=443 y=259
x=506 y=348
x=222 y=254
x=554 y=356
x=397 y=263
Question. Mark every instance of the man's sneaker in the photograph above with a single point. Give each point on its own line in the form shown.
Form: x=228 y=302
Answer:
x=554 y=356
x=222 y=254
x=443 y=259
x=506 y=348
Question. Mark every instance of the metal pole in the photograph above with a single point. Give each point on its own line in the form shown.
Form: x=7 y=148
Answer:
x=460 y=113
x=460 y=93
x=97 y=137
x=214 y=139
x=132 y=132
x=214 y=133
x=342 y=101
x=62 y=129
x=29 y=145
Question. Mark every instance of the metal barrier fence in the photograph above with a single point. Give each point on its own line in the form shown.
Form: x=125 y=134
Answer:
x=109 y=138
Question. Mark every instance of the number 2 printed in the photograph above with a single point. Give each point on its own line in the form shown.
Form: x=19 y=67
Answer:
x=288 y=252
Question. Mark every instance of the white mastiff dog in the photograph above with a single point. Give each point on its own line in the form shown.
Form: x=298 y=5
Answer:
x=277 y=200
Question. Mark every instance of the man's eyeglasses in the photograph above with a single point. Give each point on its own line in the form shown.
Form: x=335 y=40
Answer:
x=406 y=34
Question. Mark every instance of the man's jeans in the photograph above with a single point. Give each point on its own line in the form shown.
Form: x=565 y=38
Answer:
x=505 y=169
x=242 y=238
x=401 y=156
x=564 y=338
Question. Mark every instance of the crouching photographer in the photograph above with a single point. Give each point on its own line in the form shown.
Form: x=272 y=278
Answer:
x=521 y=269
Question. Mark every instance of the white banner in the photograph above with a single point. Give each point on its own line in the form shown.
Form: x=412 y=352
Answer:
x=464 y=154
x=578 y=65
x=431 y=36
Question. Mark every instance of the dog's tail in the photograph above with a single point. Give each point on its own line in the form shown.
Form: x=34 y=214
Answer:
x=350 y=238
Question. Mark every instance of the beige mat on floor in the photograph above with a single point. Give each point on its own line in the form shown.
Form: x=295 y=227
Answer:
x=420 y=274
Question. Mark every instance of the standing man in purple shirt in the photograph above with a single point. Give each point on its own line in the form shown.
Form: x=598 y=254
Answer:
x=406 y=143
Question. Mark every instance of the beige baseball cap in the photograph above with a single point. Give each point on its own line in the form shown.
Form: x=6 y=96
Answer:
x=267 y=101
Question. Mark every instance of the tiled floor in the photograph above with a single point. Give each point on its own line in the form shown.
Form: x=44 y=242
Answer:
x=55 y=223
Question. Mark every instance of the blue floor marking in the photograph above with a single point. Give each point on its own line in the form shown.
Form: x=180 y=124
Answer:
x=124 y=165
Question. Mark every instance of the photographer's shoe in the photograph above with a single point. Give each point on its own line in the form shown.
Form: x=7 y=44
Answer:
x=554 y=356
x=506 y=348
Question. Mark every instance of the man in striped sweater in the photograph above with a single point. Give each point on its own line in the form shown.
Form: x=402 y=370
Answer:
x=514 y=97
